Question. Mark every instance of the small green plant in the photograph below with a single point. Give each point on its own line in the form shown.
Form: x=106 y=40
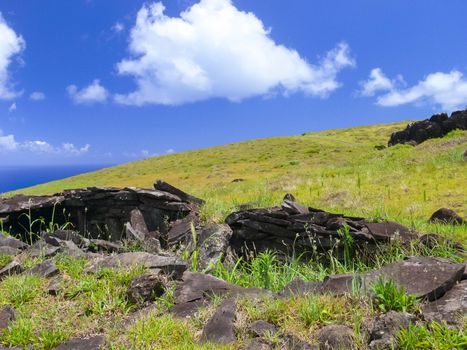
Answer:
x=348 y=242
x=312 y=311
x=433 y=336
x=388 y=296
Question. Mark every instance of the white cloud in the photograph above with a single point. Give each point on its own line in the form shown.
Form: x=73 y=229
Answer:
x=378 y=81
x=118 y=27
x=11 y=44
x=215 y=50
x=8 y=143
x=37 y=96
x=90 y=94
x=12 y=107
x=170 y=151
x=448 y=90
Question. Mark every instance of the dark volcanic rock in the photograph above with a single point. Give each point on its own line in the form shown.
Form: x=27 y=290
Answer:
x=100 y=245
x=437 y=126
x=336 y=337
x=44 y=269
x=12 y=268
x=262 y=328
x=11 y=242
x=8 y=251
x=451 y=308
x=170 y=265
x=294 y=229
x=423 y=276
x=446 y=216
x=220 y=328
x=164 y=186
x=7 y=315
x=384 y=328
x=93 y=343
x=199 y=286
x=181 y=230
x=212 y=243
x=100 y=212
x=146 y=288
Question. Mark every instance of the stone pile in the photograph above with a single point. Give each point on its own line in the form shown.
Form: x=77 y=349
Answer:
x=437 y=126
x=295 y=229
x=101 y=212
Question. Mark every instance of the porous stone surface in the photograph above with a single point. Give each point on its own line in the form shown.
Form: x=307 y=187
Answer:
x=336 y=337
x=437 y=126
x=383 y=329
x=220 y=328
x=146 y=288
x=451 y=308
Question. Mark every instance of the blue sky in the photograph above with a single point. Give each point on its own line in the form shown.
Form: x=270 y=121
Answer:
x=110 y=81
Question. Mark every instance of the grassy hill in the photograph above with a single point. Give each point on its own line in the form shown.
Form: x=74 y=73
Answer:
x=337 y=170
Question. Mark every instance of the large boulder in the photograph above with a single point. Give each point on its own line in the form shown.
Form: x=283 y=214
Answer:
x=437 y=126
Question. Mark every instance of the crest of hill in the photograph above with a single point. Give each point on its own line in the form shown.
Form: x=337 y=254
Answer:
x=339 y=169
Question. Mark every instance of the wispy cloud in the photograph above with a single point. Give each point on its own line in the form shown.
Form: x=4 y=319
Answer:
x=37 y=96
x=448 y=90
x=93 y=93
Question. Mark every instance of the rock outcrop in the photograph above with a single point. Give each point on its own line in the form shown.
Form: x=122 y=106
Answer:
x=101 y=212
x=294 y=229
x=437 y=126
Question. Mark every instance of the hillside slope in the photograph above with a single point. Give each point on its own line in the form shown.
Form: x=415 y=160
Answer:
x=337 y=170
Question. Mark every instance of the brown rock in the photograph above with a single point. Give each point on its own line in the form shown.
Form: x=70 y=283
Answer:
x=7 y=315
x=338 y=337
x=12 y=268
x=446 y=216
x=146 y=288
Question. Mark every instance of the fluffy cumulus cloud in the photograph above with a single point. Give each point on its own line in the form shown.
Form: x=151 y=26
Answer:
x=8 y=143
x=448 y=90
x=215 y=50
x=93 y=93
x=11 y=44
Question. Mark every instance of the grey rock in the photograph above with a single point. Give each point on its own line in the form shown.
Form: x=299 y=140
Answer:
x=213 y=243
x=383 y=329
x=220 y=328
x=164 y=186
x=262 y=328
x=257 y=344
x=45 y=269
x=12 y=268
x=451 y=308
x=93 y=343
x=336 y=337
x=7 y=315
x=12 y=242
x=54 y=287
x=9 y=251
x=199 y=286
x=385 y=231
x=100 y=245
x=426 y=277
x=146 y=288
x=171 y=266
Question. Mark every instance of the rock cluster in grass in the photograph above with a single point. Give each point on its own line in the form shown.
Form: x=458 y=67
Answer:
x=437 y=126
x=160 y=231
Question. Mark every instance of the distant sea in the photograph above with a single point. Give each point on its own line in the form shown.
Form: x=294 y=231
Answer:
x=16 y=177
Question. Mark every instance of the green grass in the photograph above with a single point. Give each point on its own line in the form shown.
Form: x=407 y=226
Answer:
x=336 y=170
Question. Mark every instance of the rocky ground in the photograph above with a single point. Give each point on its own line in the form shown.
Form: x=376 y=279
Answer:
x=137 y=268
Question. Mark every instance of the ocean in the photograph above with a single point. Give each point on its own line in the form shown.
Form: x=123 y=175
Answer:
x=16 y=177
